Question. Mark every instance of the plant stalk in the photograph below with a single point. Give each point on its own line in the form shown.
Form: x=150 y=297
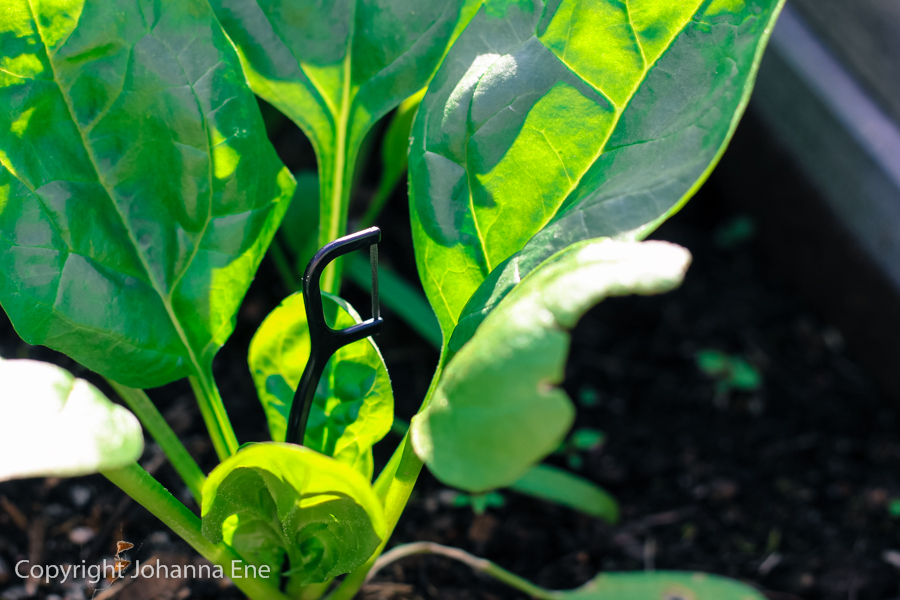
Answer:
x=141 y=405
x=150 y=494
x=394 y=485
x=477 y=564
x=336 y=178
x=213 y=410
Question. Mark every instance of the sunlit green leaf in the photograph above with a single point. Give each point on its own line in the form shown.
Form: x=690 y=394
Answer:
x=499 y=409
x=549 y=125
x=337 y=67
x=138 y=190
x=52 y=424
x=271 y=500
x=353 y=406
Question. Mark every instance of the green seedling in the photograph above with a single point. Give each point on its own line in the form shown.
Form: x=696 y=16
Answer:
x=730 y=372
x=581 y=440
x=139 y=193
x=479 y=502
x=588 y=397
x=734 y=232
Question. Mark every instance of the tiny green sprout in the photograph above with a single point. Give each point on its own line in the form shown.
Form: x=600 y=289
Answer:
x=588 y=397
x=731 y=372
x=581 y=440
x=479 y=502
x=734 y=232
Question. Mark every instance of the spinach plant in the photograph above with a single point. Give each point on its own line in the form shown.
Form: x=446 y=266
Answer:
x=139 y=193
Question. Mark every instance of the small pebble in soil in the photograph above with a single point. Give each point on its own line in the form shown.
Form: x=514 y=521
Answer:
x=80 y=495
x=81 y=535
x=158 y=538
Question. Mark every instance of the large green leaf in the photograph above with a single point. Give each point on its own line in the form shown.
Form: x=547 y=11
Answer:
x=336 y=67
x=353 y=406
x=659 y=585
x=550 y=124
x=138 y=191
x=498 y=409
x=52 y=424
x=270 y=500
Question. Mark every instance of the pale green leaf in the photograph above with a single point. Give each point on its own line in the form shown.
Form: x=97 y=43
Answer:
x=353 y=406
x=660 y=585
x=271 y=499
x=498 y=409
x=561 y=487
x=54 y=425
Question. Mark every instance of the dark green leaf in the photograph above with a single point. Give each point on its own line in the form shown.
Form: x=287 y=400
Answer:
x=300 y=227
x=586 y=439
x=547 y=125
x=138 y=191
x=499 y=409
x=52 y=424
x=354 y=404
x=273 y=499
x=561 y=487
x=660 y=585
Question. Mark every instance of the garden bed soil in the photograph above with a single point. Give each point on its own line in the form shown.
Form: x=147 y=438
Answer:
x=788 y=488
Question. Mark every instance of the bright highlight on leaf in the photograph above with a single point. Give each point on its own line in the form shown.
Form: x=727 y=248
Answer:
x=54 y=425
x=138 y=191
x=498 y=409
x=547 y=126
x=271 y=501
x=354 y=404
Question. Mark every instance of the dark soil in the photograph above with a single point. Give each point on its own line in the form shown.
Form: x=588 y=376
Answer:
x=787 y=487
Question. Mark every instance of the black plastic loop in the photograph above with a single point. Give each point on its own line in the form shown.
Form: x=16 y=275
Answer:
x=325 y=341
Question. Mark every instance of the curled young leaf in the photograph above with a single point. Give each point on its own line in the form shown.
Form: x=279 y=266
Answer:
x=54 y=425
x=138 y=190
x=353 y=406
x=498 y=409
x=660 y=585
x=272 y=500
x=554 y=122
